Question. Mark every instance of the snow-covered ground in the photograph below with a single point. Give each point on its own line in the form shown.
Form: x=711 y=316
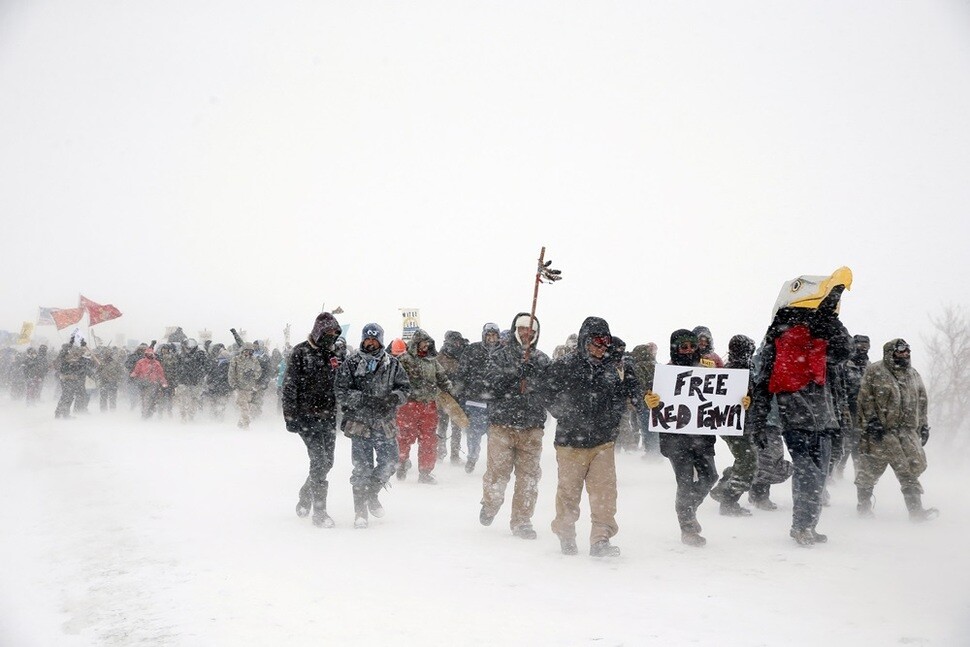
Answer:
x=118 y=532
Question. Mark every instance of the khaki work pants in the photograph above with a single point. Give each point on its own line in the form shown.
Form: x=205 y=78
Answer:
x=596 y=468
x=519 y=450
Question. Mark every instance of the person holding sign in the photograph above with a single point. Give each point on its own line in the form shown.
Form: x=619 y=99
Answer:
x=691 y=455
x=587 y=395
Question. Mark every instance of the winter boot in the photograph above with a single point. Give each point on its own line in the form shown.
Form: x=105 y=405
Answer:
x=373 y=503
x=320 y=517
x=603 y=548
x=914 y=503
x=305 y=502
x=427 y=478
x=525 y=531
x=485 y=518
x=864 y=507
x=568 y=546
x=690 y=531
x=803 y=536
x=360 y=507
x=692 y=538
x=733 y=509
x=470 y=466
x=819 y=537
x=455 y=459
x=758 y=496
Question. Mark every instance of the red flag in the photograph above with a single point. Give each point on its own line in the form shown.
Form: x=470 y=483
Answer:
x=67 y=317
x=98 y=313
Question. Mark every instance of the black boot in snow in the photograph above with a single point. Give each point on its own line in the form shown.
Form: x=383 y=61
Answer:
x=759 y=498
x=733 y=509
x=914 y=503
x=373 y=503
x=360 y=507
x=305 y=502
x=864 y=507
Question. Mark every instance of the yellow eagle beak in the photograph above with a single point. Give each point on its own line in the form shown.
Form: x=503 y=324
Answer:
x=841 y=276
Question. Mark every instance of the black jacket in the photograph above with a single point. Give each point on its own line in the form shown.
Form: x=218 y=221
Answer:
x=308 y=383
x=587 y=397
x=505 y=370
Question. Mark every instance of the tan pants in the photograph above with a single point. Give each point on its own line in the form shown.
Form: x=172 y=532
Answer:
x=508 y=449
x=596 y=467
x=244 y=402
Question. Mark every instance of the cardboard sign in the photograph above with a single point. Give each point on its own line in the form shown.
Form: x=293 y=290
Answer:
x=695 y=400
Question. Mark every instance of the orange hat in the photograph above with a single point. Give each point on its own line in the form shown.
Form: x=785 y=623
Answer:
x=398 y=347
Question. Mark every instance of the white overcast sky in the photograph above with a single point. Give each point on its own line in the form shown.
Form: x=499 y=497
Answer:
x=214 y=164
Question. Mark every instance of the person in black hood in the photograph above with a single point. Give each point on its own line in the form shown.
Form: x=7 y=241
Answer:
x=515 y=416
x=587 y=395
x=692 y=456
x=309 y=409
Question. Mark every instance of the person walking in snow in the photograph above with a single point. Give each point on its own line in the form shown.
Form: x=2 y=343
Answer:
x=586 y=394
x=244 y=372
x=893 y=417
x=516 y=417
x=370 y=385
x=690 y=455
x=150 y=377
x=473 y=392
x=738 y=477
x=450 y=357
x=417 y=419
x=310 y=410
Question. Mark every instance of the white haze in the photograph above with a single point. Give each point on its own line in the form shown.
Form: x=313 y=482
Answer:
x=210 y=164
x=119 y=532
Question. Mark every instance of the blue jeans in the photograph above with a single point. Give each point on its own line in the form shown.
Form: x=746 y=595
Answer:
x=810 y=453
x=374 y=458
x=477 y=427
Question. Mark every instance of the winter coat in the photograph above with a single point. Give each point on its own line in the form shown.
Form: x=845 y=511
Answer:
x=470 y=380
x=425 y=374
x=504 y=371
x=307 y=390
x=191 y=367
x=110 y=372
x=217 y=381
x=588 y=397
x=893 y=395
x=369 y=388
x=149 y=370
x=644 y=363
x=798 y=347
x=244 y=372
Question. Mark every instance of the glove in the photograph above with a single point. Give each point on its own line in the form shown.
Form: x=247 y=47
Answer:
x=924 y=434
x=746 y=402
x=875 y=429
x=651 y=399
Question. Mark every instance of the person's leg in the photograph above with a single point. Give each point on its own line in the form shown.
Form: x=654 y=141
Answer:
x=498 y=471
x=427 y=423
x=573 y=465
x=601 y=488
x=526 y=456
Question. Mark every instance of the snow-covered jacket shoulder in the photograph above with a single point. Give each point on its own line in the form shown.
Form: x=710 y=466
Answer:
x=508 y=405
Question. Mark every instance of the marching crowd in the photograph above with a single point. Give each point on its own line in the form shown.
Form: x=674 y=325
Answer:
x=812 y=390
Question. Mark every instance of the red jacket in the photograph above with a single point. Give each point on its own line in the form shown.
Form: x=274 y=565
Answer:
x=149 y=369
